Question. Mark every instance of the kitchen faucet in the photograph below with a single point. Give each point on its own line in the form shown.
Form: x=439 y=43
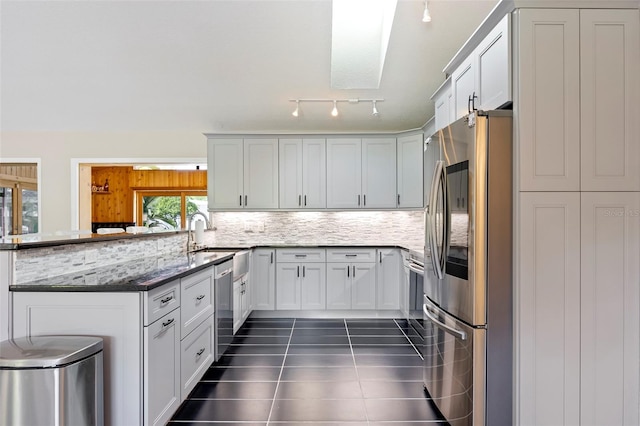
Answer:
x=189 y=220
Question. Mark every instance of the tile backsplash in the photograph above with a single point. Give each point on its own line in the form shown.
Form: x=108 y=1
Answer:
x=404 y=228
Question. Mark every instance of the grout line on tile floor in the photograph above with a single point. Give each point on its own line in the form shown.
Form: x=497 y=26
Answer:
x=284 y=360
x=410 y=342
x=355 y=366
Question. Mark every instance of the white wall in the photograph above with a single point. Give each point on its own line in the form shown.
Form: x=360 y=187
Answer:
x=56 y=149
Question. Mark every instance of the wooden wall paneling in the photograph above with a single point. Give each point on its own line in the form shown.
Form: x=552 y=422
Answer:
x=168 y=179
x=117 y=205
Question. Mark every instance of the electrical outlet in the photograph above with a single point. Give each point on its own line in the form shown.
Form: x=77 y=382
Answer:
x=90 y=256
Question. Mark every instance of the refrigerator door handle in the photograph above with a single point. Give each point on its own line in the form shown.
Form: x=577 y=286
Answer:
x=458 y=333
x=439 y=181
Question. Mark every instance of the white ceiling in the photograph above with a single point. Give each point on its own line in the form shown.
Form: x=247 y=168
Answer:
x=212 y=65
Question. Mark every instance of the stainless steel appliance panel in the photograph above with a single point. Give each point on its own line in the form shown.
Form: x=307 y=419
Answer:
x=223 y=315
x=454 y=375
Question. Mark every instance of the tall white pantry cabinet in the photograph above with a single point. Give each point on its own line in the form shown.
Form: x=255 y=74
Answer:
x=577 y=219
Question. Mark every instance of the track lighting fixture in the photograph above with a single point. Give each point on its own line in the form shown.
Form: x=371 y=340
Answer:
x=426 y=16
x=334 y=111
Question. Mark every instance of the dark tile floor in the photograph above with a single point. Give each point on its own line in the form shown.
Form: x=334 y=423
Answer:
x=351 y=372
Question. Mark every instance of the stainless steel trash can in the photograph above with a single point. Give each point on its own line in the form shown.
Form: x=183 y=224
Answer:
x=51 y=380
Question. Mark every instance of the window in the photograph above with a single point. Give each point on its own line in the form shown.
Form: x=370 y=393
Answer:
x=169 y=209
x=18 y=199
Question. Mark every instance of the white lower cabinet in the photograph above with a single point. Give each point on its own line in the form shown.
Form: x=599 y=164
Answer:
x=157 y=344
x=388 y=279
x=196 y=355
x=300 y=285
x=263 y=279
x=351 y=279
x=241 y=302
x=162 y=369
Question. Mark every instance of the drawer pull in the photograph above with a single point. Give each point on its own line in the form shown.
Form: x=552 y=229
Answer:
x=168 y=323
x=200 y=297
x=351 y=255
x=166 y=300
x=301 y=255
x=200 y=352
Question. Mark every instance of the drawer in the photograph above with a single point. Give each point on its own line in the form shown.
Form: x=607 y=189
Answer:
x=160 y=301
x=196 y=355
x=351 y=255
x=300 y=255
x=196 y=300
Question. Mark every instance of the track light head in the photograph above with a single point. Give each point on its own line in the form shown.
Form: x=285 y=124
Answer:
x=375 y=112
x=296 y=112
x=426 y=16
x=334 y=111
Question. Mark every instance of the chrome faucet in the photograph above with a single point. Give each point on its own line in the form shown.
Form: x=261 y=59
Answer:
x=189 y=221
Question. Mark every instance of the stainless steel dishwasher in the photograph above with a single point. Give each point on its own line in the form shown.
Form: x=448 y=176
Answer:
x=223 y=299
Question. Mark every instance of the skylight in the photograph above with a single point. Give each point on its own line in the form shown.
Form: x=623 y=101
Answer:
x=360 y=37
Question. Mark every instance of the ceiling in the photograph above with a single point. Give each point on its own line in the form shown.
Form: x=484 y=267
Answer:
x=212 y=65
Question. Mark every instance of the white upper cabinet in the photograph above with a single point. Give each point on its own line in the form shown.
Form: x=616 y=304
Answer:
x=483 y=79
x=242 y=174
x=261 y=173
x=444 y=106
x=344 y=173
x=610 y=90
x=302 y=173
x=361 y=173
x=379 y=173
x=548 y=99
x=410 y=171
x=225 y=186
x=493 y=84
x=463 y=83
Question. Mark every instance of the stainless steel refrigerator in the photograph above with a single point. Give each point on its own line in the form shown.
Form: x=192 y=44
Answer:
x=468 y=346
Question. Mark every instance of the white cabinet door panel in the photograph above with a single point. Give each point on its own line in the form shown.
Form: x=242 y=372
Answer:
x=344 y=177
x=261 y=173
x=291 y=165
x=338 y=286
x=410 y=171
x=494 y=67
x=263 y=277
x=288 y=286
x=610 y=299
x=548 y=99
x=313 y=286
x=463 y=81
x=363 y=287
x=225 y=174
x=547 y=298
x=162 y=369
x=610 y=89
x=379 y=173
x=314 y=174
x=388 y=279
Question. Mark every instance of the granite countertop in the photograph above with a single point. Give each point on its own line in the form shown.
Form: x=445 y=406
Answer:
x=136 y=275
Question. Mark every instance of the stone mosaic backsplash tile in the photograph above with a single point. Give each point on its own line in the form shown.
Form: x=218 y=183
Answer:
x=405 y=228
x=35 y=264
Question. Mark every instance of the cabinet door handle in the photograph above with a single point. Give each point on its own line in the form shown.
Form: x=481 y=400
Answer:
x=364 y=200
x=473 y=102
x=354 y=271
x=240 y=200
x=469 y=105
x=299 y=200
x=303 y=271
x=348 y=267
x=245 y=201
x=298 y=271
x=271 y=257
x=200 y=352
x=463 y=202
x=358 y=199
x=243 y=292
x=167 y=323
x=380 y=257
x=166 y=300
x=199 y=298
x=305 y=201
x=458 y=202
x=398 y=199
